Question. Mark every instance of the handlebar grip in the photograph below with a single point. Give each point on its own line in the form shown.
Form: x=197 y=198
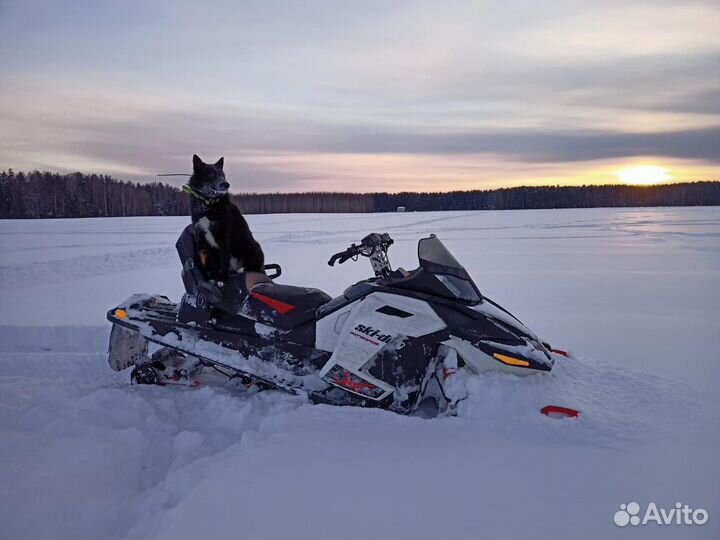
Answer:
x=343 y=255
x=335 y=257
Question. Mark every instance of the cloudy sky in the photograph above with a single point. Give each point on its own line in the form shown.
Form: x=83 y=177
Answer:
x=363 y=95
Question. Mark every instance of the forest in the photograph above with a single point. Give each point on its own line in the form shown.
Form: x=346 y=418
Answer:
x=41 y=194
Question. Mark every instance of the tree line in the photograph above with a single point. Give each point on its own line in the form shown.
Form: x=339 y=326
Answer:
x=41 y=194
x=50 y=195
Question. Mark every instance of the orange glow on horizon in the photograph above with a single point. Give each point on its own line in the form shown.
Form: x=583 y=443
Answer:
x=644 y=175
x=440 y=173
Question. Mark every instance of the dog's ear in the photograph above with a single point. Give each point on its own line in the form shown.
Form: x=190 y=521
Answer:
x=197 y=162
x=220 y=163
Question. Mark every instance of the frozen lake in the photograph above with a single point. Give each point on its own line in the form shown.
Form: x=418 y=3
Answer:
x=633 y=293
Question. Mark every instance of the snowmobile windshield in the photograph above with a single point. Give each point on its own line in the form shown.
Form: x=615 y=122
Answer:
x=437 y=260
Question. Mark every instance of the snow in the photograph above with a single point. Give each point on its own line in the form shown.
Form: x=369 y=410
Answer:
x=633 y=293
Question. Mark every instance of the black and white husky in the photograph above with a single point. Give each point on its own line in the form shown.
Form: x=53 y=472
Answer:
x=224 y=242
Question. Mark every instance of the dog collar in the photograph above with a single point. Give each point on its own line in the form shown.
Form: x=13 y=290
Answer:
x=205 y=200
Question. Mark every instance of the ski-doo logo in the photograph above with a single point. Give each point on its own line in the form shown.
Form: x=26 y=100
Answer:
x=371 y=332
x=682 y=514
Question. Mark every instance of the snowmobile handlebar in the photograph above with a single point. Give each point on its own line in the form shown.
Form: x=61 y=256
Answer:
x=369 y=246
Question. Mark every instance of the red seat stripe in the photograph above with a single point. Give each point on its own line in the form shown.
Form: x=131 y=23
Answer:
x=277 y=305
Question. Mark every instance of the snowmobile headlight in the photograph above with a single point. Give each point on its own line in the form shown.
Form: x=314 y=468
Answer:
x=510 y=361
x=120 y=314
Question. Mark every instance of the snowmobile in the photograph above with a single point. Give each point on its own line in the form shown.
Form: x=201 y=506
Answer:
x=391 y=341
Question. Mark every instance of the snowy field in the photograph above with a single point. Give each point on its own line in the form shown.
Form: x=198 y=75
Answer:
x=633 y=293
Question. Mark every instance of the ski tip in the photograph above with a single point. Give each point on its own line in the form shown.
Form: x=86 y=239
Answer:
x=555 y=411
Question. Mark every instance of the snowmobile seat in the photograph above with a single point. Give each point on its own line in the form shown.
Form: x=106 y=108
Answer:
x=283 y=306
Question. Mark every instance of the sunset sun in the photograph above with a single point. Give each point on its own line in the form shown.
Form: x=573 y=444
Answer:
x=644 y=175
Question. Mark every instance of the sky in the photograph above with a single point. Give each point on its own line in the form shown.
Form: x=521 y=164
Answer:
x=345 y=95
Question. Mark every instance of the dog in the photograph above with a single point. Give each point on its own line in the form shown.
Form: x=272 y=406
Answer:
x=223 y=241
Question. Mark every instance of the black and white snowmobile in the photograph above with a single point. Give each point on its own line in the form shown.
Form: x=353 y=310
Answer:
x=391 y=341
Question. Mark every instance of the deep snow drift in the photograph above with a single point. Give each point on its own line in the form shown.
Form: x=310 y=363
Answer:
x=632 y=292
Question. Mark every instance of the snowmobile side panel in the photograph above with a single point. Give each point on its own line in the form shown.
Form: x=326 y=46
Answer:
x=329 y=328
x=374 y=334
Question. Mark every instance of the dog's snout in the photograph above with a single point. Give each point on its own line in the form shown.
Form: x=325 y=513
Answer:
x=224 y=185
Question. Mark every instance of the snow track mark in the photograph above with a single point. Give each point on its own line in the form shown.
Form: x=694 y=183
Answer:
x=45 y=272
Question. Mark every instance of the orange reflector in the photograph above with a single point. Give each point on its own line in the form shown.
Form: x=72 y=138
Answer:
x=120 y=314
x=510 y=361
